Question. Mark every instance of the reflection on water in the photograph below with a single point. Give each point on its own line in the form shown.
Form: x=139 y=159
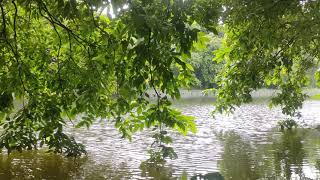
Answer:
x=289 y=155
x=236 y=161
x=36 y=165
x=158 y=171
x=284 y=157
x=245 y=145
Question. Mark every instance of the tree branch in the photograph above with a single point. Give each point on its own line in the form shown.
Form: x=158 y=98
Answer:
x=54 y=20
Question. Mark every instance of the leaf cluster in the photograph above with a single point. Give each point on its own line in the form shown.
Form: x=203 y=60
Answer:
x=267 y=43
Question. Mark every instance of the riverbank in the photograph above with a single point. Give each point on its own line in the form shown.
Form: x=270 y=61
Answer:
x=261 y=93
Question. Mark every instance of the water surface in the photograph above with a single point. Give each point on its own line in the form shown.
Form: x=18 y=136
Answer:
x=245 y=145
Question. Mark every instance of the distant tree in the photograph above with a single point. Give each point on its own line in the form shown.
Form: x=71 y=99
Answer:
x=205 y=69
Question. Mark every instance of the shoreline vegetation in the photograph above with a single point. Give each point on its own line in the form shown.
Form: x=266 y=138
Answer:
x=313 y=93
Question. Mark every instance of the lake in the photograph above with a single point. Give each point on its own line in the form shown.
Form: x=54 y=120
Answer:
x=242 y=146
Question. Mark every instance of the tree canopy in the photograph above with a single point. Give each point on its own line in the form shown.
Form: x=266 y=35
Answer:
x=268 y=42
x=85 y=60
x=78 y=61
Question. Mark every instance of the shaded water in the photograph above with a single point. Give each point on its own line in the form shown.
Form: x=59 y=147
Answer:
x=245 y=145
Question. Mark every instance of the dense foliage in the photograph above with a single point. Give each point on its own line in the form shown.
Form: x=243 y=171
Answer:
x=268 y=42
x=79 y=61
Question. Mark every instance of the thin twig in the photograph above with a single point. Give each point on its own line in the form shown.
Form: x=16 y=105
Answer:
x=93 y=19
x=15 y=50
x=54 y=20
